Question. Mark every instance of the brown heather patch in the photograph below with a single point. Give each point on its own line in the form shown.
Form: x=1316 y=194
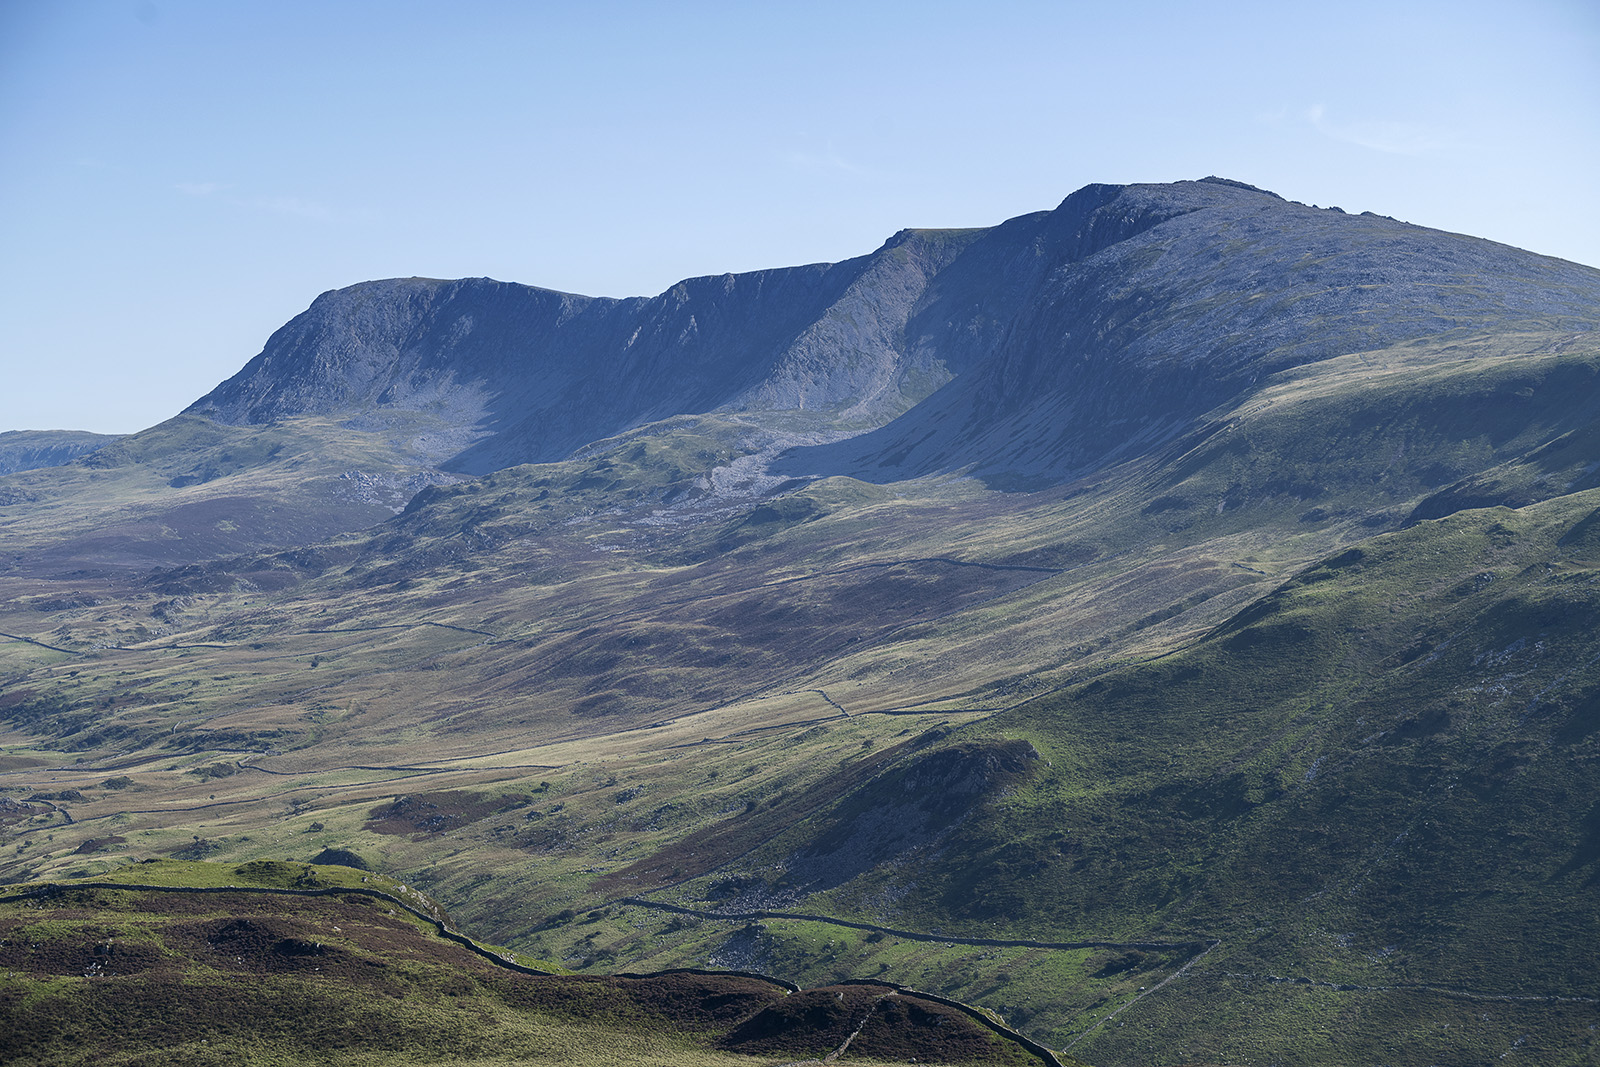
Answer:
x=424 y=815
x=814 y=1022
x=907 y=1027
x=879 y=1022
x=137 y=972
x=95 y=844
x=73 y=947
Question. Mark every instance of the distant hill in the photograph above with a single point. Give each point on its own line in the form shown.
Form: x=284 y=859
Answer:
x=26 y=450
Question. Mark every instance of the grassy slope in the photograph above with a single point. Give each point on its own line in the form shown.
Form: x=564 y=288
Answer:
x=1374 y=789
x=190 y=490
x=1379 y=777
x=143 y=976
x=733 y=673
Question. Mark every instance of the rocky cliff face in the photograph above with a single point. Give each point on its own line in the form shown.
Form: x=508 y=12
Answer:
x=1034 y=350
x=516 y=374
x=1161 y=301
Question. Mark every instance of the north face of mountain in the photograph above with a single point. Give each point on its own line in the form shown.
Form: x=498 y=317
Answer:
x=517 y=374
x=1045 y=346
x=510 y=373
x=1161 y=301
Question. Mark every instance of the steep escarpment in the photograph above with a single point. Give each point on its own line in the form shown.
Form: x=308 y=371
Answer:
x=1035 y=350
x=510 y=373
x=1162 y=301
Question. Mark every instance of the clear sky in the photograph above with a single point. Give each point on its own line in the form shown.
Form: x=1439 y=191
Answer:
x=179 y=178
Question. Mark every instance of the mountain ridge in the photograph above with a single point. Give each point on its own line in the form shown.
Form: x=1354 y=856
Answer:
x=1070 y=310
x=1112 y=343
x=606 y=365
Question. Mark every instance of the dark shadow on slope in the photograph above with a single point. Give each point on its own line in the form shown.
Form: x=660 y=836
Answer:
x=907 y=808
x=1204 y=291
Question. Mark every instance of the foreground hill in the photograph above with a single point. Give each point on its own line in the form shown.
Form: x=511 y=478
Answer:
x=284 y=963
x=1202 y=671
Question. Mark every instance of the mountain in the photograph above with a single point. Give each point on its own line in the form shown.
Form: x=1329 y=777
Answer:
x=515 y=374
x=1093 y=331
x=1166 y=621
x=1156 y=303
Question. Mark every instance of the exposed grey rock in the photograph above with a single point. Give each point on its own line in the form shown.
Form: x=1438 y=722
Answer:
x=1161 y=301
x=1031 y=351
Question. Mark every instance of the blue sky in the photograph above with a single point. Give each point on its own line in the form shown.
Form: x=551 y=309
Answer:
x=178 y=179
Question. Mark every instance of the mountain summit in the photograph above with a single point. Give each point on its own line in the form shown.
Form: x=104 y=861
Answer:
x=1150 y=304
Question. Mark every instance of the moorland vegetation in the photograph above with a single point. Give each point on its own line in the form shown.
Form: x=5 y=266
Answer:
x=1167 y=622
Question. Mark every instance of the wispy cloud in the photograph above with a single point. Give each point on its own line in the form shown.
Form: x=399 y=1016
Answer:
x=199 y=188
x=293 y=207
x=1395 y=138
x=827 y=162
